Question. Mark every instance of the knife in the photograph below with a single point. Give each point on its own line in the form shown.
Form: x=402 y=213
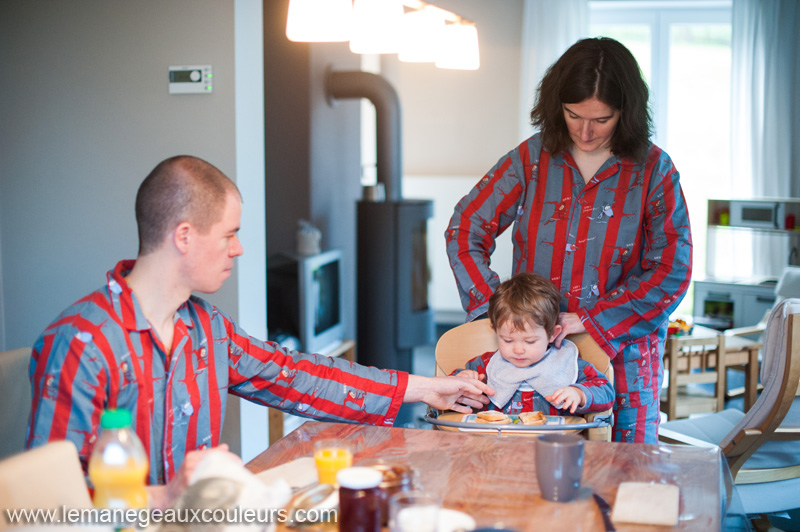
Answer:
x=605 y=511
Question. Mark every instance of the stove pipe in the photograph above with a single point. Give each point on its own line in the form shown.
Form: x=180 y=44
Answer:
x=392 y=264
x=358 y=84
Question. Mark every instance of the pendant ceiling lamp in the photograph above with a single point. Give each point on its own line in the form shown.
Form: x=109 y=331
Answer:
x=459 y=49
x=421 y=35
x=413 y=29
x=319 y=20
x=376 y=26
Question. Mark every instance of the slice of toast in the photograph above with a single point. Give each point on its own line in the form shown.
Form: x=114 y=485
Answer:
x=492 y=417
x=533 y=418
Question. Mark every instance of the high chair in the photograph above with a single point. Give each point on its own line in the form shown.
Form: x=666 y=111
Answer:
x=464 y=342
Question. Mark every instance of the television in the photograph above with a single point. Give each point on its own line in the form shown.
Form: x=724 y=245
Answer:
x=304 y=299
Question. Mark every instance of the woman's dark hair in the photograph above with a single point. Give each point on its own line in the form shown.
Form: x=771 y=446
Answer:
x=601 y=68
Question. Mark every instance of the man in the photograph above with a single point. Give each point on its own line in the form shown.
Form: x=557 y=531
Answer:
x=144 y=343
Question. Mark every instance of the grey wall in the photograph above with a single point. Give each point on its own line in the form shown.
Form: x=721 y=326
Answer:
x=454 y=123
x=86 y=115
x=312 y=147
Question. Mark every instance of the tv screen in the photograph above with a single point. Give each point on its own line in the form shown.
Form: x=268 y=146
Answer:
x=304 y=300
x=325 y=290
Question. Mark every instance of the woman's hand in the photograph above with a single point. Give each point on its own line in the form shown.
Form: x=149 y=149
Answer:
x=570 y=324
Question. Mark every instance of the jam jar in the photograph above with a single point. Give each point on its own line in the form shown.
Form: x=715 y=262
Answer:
x=397 y=476
x=360 y=499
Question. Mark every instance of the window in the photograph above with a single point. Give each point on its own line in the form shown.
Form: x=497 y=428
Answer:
x=684 y=51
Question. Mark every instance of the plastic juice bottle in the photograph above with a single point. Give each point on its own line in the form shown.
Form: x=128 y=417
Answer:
x=118 y=465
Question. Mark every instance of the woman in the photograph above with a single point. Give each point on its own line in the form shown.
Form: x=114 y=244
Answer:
x=597 y=209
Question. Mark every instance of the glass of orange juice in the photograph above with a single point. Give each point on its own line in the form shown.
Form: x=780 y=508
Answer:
x=331 y=456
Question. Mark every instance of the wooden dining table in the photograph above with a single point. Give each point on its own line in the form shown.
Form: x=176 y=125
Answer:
x=493 y=477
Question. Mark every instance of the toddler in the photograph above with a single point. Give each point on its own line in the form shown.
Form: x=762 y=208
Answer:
x=527 y=372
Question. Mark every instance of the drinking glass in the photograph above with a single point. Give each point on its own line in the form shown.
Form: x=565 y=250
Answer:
x=331 y=456
x=413 y=511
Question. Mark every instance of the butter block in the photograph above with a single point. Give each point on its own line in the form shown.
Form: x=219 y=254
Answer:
x=646 y=503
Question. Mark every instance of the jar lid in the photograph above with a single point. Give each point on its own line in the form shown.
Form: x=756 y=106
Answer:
x=359 y=478
x=116 y=419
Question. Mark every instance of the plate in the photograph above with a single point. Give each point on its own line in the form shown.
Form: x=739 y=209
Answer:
x=452 y=520
x=470 y=418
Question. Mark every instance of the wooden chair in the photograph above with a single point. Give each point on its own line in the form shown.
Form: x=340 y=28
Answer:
x=45 y=477
x=15 y=400
x=762 y=446
x=460 y=344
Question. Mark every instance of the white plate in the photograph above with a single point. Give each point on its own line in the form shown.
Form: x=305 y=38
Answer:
x=486 y=427
x=451 y=520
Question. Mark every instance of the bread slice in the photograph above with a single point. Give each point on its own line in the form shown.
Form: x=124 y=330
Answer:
x=492 y=417
x=533 y=418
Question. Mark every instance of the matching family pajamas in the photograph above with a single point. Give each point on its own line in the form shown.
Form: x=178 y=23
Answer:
x=599 y=392
x=102 y=353
x=618 y=248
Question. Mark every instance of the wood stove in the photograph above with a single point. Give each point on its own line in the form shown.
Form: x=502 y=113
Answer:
x=393 y=273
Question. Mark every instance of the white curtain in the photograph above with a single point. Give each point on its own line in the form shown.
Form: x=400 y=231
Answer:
x=548 y=28
x=766 y=113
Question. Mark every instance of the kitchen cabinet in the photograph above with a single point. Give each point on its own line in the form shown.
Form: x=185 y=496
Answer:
x=722 y=305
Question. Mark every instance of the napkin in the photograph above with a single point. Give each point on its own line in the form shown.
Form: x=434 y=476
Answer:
x=222 y=485
x=298 y=473
x=645 y=503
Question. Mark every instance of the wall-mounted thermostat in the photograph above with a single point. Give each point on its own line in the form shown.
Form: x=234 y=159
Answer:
x=191 y=79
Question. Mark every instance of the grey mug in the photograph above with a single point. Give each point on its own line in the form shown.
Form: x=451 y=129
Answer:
x=559 y=466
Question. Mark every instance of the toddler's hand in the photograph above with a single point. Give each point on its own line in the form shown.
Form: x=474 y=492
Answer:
x=568 y=397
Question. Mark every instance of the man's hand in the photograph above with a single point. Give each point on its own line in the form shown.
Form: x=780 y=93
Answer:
x=471 y=374
x=163 y=497
x=570 y=323
x=448 y=393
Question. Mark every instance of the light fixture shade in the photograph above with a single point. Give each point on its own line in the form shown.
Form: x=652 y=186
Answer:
x=421 y=36
x=376 y=26
x=319 y=20
x=459 y=49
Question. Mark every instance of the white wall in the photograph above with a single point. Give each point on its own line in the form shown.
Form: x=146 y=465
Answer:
x=86 y=115
x=457 y=124
x=446 y=192
x=253 y=420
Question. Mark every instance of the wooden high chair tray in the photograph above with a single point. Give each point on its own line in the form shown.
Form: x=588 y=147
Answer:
x=453 y=421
